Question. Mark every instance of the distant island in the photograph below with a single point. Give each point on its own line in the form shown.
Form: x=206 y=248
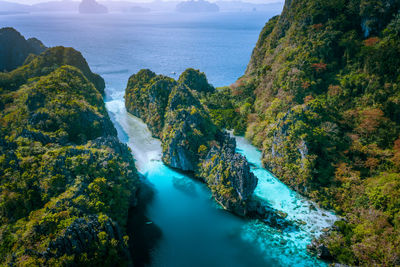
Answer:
x=196 y=7
x=105 y=6
x=92 y=7
x=8 y=8
x=56 y=6
x=139 y=9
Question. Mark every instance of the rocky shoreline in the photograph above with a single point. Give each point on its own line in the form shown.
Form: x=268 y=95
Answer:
x=193 y=144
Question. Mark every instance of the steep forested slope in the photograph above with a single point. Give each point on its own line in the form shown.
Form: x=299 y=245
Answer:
x=190 y=140
x=43 y=64
x=14 y=48
x=326 y=115
x=66 y=182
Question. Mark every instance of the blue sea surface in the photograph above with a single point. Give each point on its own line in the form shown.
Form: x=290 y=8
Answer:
x=195 y=230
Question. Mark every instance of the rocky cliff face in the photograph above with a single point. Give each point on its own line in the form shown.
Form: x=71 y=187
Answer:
x=326 y=114
x=147 y=96
x=228 y=175
x=14 y=49
x=70 y=182
x=196 y=80
x=82 y=233
x=305 y=62
x=190 y=140
x=187 y=128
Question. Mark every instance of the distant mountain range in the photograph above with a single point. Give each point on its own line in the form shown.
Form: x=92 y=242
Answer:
x=125 y=6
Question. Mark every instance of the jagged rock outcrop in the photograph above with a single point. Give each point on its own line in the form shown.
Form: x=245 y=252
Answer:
x=92 y=7
x=83 y=234
x=319 y=249
x=14 y=49
x=228 y=175
x=187 y=128
x=147 y=96
x=190 y=140
x=195 y=80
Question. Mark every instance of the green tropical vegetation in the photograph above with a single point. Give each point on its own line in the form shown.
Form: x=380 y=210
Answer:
x=66 y=182
x=325 y=110
x=230 y=107
x=320 y=98
x=191 y=141
x=146 y=96
x=43 y=64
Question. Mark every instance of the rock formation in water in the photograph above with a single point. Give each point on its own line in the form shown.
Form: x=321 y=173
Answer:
x=198 y=6
x=146 y=97
x=91 y=7
x=14 y=49
x=228 y=174
x=187 y=129
x=190 y=140
x=66 y=180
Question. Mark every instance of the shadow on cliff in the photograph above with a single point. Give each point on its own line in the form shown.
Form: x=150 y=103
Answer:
x=143 y=234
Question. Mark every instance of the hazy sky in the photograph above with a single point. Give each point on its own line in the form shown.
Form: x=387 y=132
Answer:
x=38 y=1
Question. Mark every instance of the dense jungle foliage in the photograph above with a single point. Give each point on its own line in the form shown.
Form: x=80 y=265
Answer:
x=175 y=112
x=43 y=64
x=327 y=116
x=66 y=182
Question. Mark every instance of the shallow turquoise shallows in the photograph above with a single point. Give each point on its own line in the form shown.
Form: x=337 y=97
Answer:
x=195 y=231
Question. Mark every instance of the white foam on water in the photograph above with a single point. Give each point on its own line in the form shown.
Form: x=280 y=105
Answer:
x=288 y=247
x=144 y=147
x=310 y=218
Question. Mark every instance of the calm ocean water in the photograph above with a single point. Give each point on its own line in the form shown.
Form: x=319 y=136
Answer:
x=118 y=45
x=195 y=232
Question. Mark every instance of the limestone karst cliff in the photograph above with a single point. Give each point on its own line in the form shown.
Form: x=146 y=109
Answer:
x=190 y=140
x=67 y=182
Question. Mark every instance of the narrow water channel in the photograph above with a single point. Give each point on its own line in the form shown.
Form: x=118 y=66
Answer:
x=196 y=231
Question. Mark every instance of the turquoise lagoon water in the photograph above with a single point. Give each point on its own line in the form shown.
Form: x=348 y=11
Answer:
x=195 y=230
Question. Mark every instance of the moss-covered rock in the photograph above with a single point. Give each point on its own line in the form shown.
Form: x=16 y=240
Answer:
x=195 y=80
x=147 y=96
x=189 y=136
x=66 y=182
x=47 y=62
x=326 y=114
x=187 y=127
x=228 y=175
